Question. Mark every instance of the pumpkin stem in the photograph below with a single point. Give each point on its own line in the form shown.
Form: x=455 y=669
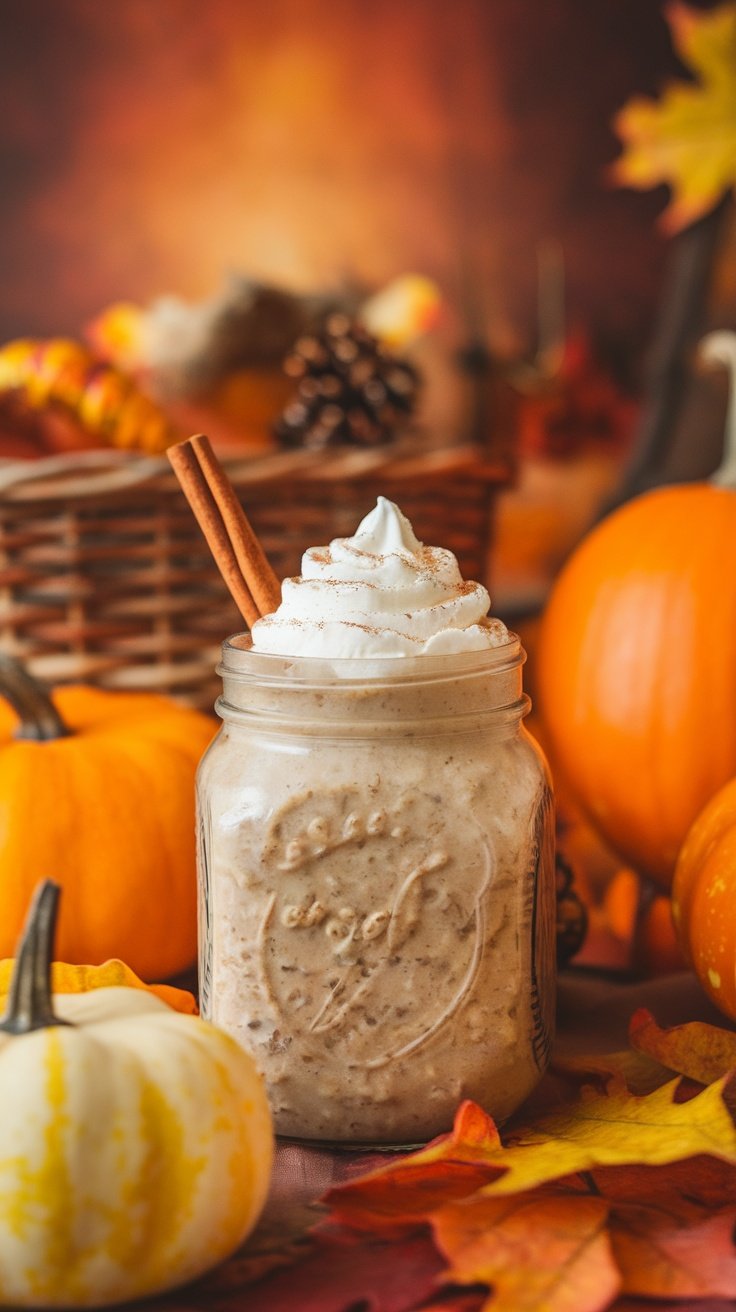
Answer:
x=40 y=721
x=720 y=348
x=29 y=998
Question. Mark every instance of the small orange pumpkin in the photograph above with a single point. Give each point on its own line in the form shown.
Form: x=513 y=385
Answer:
x=636 y=661
x=704 y=897
x=97 y=789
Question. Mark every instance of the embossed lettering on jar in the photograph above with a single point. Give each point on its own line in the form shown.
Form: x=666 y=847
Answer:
x=377 y=888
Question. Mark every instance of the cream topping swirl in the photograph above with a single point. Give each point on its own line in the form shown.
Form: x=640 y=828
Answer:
x=379 y=593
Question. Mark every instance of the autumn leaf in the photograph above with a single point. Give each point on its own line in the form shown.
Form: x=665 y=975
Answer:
x=617 y=1128
x=570 y=1247
x=538 y=1250
x=687 y=139
x=640 y=1072
x=661 y=1255
x=398 y=1196
x=598 y=1129
x=672 y=1228
x=702 y=1052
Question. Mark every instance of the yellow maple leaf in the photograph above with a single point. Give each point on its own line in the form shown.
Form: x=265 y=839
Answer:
x=687 y=139
x=617 y=1128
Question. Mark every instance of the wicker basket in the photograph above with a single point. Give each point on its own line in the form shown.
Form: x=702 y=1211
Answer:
x=105 y=577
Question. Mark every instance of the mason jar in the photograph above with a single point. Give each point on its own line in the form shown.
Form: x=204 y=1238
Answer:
x=377 y=904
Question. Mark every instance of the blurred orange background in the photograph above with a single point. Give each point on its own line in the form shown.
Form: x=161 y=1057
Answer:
x=152 y=147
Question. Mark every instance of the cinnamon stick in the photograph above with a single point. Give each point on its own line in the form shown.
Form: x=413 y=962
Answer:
x=237 y=552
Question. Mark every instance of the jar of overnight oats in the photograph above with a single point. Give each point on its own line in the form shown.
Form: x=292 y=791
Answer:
x=377 y=906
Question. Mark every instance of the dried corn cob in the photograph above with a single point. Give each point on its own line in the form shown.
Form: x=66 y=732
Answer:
x=105 y=402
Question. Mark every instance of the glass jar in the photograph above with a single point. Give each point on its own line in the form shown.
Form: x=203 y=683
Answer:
x=377 y=904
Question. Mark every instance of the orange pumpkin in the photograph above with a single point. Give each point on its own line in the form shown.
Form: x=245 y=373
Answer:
x=97 y=789
x=636 y=663
x=704 y=897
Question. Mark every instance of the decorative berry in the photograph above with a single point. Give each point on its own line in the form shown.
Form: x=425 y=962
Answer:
x=350 y=388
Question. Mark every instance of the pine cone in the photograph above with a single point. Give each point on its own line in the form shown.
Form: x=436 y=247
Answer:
x=350 y=389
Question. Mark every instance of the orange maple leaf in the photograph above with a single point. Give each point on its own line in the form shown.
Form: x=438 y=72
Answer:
x=536 y=1250
x=687 y=139
x=648 y=1232
x=399 y=1196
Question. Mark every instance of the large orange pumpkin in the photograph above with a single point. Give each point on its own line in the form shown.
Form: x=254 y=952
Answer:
x=637 y=663
x=704 y=898
x=97 y=790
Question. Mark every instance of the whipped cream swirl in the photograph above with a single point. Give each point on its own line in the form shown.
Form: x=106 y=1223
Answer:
x=379 y=593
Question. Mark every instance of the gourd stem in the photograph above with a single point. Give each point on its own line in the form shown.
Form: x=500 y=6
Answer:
x=720 y=348
x=29 y=999
x=39 y=719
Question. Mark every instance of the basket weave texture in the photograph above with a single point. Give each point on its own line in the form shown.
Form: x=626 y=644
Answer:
x=105 y=577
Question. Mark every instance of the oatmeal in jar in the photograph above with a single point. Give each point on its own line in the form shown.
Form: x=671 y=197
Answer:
x=376 y=850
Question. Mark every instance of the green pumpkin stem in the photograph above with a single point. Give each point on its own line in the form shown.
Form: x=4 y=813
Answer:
x=40 y=721
x=720 y=348
x=29 y=998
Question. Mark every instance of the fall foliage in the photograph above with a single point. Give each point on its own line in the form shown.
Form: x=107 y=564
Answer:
x=687 y=139
x=627 y=1187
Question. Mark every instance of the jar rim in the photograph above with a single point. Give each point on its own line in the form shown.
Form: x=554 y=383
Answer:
x=241 y=663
